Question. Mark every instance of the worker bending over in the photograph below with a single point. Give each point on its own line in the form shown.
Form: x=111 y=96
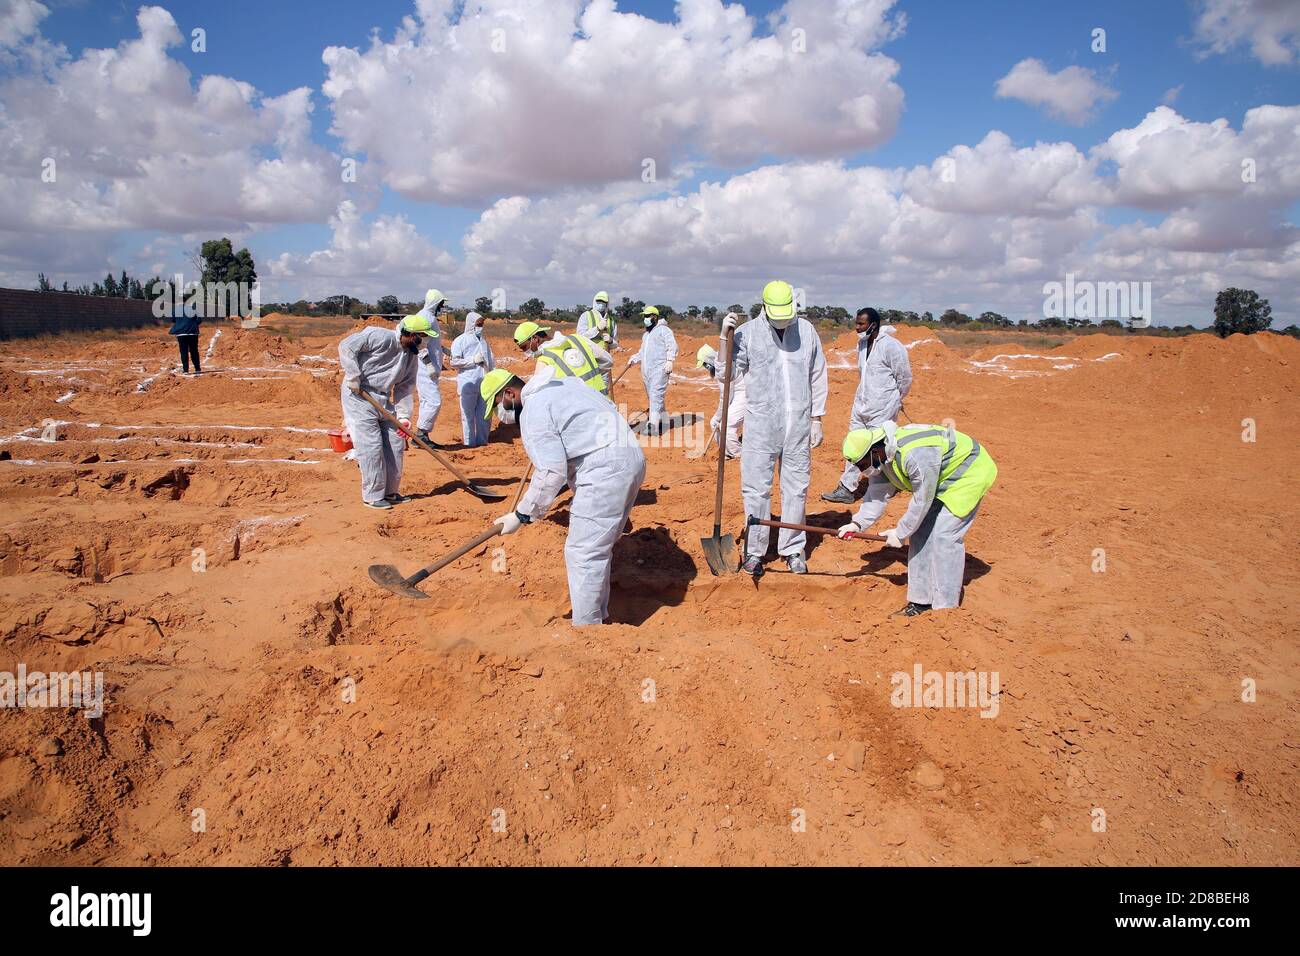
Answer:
x=471 y=357
x=656 y=357
x=382 y=363
x=709 y=358
x=574 y=435
x=884 y=379
x=563 y=356
x=947 y=474
x=785 y=390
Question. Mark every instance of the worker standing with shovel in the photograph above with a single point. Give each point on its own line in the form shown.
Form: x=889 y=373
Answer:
x=574 y=435
x=948 y=474
x=382 y=364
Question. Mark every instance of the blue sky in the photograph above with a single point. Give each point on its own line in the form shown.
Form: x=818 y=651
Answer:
x=950 y=58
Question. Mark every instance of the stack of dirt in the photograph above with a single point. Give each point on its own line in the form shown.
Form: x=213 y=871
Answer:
x=29 y=400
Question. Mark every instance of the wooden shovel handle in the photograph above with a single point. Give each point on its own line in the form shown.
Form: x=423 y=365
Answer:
x=393 y=419
x=815 y=529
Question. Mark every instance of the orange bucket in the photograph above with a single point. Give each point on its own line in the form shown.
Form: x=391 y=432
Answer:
x=339 y=441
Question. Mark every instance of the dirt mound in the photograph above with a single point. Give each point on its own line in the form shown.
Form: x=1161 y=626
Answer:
x=26 y=399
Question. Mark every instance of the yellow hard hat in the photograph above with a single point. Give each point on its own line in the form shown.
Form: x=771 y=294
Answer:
x=602 y=297
x=778 y=300
x=492 y=383
x=860 y=441
x=707 y=353
x=418 y=323
x=432 y=297
x=650 y=310
x=527 y=330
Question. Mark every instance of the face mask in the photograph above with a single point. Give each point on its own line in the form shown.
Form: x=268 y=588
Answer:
x=779 y=323
x=507 y=416
x=530 y=353
x=478 y=332
x=648 y=322
x=601 y=307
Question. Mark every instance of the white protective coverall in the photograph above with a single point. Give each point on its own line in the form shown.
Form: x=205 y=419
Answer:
x=785 y=388
x=884 y=379
x=574 y=434
x=471 y=357
x=658 y=348
x=375 y=360
x=735 y=410
x=545 y=371
x=936 y=538
x=603 y=332
x=430 y=368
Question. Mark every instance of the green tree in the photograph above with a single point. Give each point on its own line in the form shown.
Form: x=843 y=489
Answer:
x=953 y=317
x=389 y=305
x=1241 y=310
x=483 y=305
x=43 y=284
x=737 y=308
x=533 y=307
x=755 y=310
x=710 y=312
x=629 y=310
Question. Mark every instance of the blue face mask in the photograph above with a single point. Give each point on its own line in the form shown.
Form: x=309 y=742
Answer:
x=478 y=332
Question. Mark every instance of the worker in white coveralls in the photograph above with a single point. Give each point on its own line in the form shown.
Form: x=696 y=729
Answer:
x=709 y=359
x=656 y=357
x=884 y=379
x=563 y=356
x=573 y=434
x=382 y=363
x=471 y=357
x=785 y=389
x=435 y=303
x=600 y=326
x=947 y=474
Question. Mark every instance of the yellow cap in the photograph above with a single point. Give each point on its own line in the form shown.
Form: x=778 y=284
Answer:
x=650 y=310
x=602 y=297
x=492 y=383
x=527 y=330
x=860 y=441
x=418 y=323
x=707 y=353
x=778 y=300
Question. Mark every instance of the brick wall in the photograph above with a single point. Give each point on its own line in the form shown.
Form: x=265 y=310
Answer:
x=24 y=313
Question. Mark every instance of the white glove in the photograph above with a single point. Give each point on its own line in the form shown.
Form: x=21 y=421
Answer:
x=352 y=384
x=481 y=359
x=635 y=359
x=891 y=538
x=668 y=368
x=730 y=321
x=847 y=529
x=405 y=425
x=509 y=523
x=714 y=422
x=817 y=435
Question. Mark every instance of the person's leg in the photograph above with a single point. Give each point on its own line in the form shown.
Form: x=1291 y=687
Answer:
x=606 y=486
x=921 y=587
x=185 y=353
x=364 y=425
x=394 y=455
x=430 y=402
x=796 y=473
x=948 y=547
x=469 y=398
x=194 y=353
x=756 y=472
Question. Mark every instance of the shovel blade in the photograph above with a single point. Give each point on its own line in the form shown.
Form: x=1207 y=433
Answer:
x=391 y=579
x=484 y=493
x=720 y=553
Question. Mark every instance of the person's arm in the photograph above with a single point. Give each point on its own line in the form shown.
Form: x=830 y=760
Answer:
x=874 y=501
x=586 y=327
x=818 y=378
x=350 y=351
x=550 y=463
x=604 y=361
x=901 y=365
x=671 y=354
x=923 y=472
x=460 y=360
x=739 y=351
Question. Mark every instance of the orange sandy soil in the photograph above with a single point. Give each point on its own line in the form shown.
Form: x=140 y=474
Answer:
x=1121 y=690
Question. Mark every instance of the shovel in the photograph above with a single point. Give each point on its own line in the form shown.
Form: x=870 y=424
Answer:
x=472 y=488
x=699 y=453
x=812 y=528
x=387 y=576
x=720 y=550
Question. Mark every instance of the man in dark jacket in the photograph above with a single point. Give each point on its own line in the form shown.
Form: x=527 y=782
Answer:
x=186 y=330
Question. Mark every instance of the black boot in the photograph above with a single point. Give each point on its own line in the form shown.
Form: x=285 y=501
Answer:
x=840 y=496
x=912 y=609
